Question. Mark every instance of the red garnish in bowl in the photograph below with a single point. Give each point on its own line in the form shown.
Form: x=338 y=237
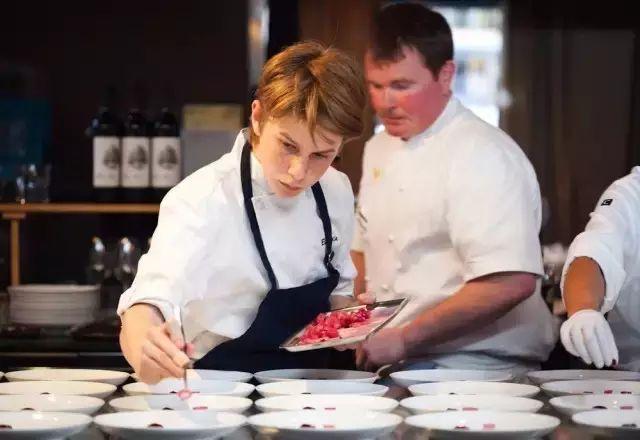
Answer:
x=469 y=408
x=461 y=427
x=626 y=407
x=306 y=425
x=3 y=426
x=608 y=391
x=200 y=408
x=327 y=426
x=488 y=426
x=155 y=425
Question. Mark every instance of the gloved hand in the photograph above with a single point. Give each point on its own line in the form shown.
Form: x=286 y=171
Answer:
x=586 y=334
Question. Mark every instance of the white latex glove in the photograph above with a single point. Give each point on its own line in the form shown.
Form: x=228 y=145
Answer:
x=586 y=334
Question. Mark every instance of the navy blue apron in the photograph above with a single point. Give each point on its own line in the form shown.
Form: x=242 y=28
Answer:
x=283 y=311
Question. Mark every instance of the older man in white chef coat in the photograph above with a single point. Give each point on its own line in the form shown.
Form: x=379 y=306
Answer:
x=448 y=215
x=602 y=276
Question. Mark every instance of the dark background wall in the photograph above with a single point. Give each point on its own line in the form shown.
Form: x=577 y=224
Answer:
x=68 y=52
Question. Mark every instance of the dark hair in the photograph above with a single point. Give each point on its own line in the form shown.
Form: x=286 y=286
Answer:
x=415 y=26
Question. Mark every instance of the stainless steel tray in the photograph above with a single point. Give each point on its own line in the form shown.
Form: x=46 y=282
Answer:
x=292 y=343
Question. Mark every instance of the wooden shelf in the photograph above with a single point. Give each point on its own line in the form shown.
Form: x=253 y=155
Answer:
x=16 y=212
x=79 y=208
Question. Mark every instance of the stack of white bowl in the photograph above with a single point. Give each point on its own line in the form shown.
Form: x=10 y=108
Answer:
x=53 y=304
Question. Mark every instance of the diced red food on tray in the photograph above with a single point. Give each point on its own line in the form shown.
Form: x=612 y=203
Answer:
x=328 y=325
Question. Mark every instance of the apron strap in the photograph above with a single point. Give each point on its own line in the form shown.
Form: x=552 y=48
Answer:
x=247 y=191
x=326 y=225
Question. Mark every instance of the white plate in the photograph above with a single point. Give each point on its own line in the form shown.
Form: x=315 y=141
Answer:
x=431 y=404
x=595 y=386
x=540 y=377
x=195 y=402
x=67 y=388
x=314 y=374
x=571 y=405
x=173 y=386
x=103 y=376
x=325 y=424
x=328 y=402
x=412 y=377
x=231 y=376
x=474 y=388
x=51 y=403
x=608 y=422
x=485 y=424
x=49 y=289
x=184 y=425
x=41 y=426
x=320 y=387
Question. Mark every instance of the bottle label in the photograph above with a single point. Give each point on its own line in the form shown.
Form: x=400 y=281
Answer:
x=135 y=162
x=165 y=160
x=106 y=162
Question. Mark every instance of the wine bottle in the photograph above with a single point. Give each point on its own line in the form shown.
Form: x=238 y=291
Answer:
x=165 y=154
x=135 y=158
x=105 y=131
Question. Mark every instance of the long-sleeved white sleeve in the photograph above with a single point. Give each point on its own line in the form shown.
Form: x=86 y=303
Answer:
x=173 y=271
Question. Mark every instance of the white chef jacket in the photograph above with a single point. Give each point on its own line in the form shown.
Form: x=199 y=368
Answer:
x=456 y=202
x=203 y=256
x=612 y=239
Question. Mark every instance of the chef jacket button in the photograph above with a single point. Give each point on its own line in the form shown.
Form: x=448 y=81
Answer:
x=385 y=287
x=391 y=238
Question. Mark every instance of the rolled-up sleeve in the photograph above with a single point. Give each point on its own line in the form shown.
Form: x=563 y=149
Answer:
x=172 y=272
x=609 y=235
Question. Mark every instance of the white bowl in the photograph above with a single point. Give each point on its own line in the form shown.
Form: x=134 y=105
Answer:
x=594 y=386
x=474 y=388
x=67 y=388
x=325 y=424
x=196 y=402
x=51 y=403
x=608 y=423
x=314 y=374
x=571 y=405
x=432 y=404
x=328 y=402
x=35 y=425
x=485 y=424
x=173 y=386
x=231 y=376
x=412 y=377
x=320 y=387
x=186 y=425
x=540 y=377
x=103 y=376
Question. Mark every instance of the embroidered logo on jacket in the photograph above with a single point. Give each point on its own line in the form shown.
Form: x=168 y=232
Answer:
x=606 y=202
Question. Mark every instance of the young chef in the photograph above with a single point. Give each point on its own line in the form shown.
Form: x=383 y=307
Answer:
x=602 y=276
x=252 y=247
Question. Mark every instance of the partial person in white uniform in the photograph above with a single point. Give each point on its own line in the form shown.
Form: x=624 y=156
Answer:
x=601 y=281
x=252 y=247
x=448 y=215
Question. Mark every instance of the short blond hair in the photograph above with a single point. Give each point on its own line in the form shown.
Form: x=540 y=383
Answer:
x=322 y=86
